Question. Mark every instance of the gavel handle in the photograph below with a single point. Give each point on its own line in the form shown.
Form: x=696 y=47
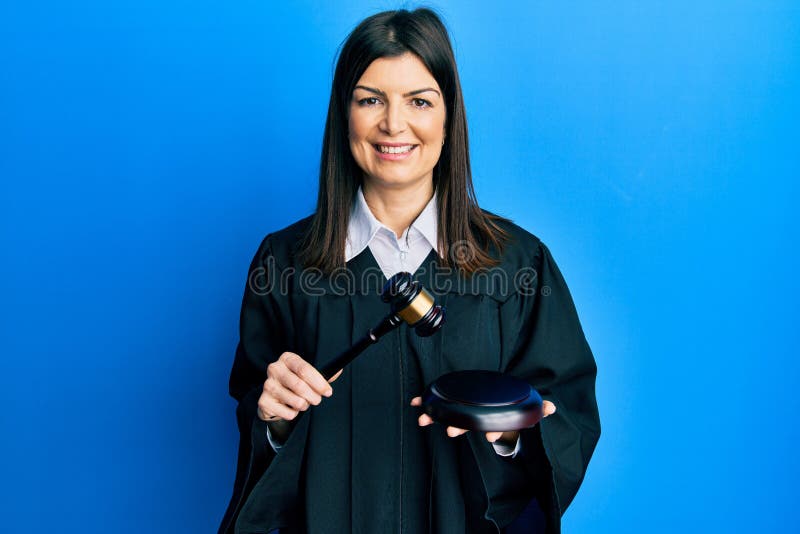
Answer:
x=389 y=323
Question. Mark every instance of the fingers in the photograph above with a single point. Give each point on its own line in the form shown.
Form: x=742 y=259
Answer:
x=548 y=408
x=424 y=420
x=291 y=399
x=292 y=391
x=292 y=386
x=454 y=432
x=270 y=410
x=302 y=374
x=493 y=436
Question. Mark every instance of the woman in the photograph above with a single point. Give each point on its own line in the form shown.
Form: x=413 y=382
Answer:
x=395 y=194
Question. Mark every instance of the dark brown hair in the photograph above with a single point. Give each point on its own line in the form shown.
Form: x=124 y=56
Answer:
x=466 y=233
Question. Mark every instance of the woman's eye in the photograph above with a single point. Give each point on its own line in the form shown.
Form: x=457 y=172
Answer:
x=369 y=101
x=421 y=103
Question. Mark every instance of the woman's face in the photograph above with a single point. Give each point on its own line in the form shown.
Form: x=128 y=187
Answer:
x=397 y=117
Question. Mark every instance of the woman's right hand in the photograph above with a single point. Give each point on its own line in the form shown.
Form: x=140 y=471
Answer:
x=292 y=386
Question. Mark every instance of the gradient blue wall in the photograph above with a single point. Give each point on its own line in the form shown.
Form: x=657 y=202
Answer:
x=146 y=147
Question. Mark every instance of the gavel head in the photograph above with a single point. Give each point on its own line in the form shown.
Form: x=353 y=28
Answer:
x=413 y=304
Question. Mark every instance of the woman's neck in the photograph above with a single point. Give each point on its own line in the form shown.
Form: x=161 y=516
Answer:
x=397 y=208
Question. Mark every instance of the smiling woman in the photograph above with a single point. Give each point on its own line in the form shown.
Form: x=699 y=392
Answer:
x=395 y=194
x=397 y=126
x=396 y=84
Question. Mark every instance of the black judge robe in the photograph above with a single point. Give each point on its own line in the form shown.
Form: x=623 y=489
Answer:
x=359 y=462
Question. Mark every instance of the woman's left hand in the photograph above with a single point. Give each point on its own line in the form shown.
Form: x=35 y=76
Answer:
x=548 y=408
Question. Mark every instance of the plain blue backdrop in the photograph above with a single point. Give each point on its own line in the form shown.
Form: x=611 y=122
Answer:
x=147 y=147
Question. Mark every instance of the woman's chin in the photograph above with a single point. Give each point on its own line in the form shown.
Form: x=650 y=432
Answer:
x=394 y=181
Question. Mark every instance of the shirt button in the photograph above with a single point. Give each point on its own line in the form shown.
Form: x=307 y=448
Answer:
x=403 y=255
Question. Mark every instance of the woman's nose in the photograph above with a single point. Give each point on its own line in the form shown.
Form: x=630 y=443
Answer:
x=393 y=120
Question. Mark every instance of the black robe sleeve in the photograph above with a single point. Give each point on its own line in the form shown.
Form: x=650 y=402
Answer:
x=264 y=327
x=549 y=350
x=554 y=354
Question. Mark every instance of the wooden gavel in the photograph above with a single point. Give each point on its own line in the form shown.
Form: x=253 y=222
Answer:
x=472 y=399
x=410 y=303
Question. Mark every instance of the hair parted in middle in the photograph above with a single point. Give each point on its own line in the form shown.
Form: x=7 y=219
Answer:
x=467 y=234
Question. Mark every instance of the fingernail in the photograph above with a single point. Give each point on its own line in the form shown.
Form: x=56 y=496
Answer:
x=329 y=392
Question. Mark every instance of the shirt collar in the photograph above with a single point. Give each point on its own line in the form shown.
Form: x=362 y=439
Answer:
x=363 y=226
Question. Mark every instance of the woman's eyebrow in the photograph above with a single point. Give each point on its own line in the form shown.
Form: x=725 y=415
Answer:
x=410 y=93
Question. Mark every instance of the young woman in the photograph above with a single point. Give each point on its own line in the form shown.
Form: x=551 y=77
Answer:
x=395 y=194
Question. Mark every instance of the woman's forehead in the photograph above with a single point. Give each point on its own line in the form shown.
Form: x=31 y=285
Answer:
x=399 y=74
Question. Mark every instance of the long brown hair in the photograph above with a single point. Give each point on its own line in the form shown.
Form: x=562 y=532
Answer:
x=467 y=234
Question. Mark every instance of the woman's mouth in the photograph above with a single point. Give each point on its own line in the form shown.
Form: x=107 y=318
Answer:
x=393 y=152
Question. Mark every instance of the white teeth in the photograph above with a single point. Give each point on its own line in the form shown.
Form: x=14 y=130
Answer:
x=395 y=149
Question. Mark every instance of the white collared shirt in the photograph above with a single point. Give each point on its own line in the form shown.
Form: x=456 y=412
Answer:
x=395 y=254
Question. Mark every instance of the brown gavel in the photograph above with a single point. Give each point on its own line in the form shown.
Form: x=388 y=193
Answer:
x=410 y=303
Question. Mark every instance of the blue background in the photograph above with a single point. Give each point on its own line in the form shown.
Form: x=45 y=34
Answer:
x=146 y=148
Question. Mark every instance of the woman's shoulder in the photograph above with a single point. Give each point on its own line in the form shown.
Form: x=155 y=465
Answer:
x=521 y=247
x=282 y=245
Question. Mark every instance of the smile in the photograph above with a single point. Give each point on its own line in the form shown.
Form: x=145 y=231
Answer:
x=394 y=152
x=394 y=149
